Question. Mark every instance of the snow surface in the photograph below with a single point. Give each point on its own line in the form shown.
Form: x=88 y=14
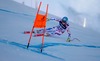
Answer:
x=16 y=18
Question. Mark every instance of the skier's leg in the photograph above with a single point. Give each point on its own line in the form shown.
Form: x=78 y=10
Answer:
x=38 y=32
x=50 y=31
x=59 y=31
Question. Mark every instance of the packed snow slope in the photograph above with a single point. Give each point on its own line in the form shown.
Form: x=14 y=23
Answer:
x=16 y=18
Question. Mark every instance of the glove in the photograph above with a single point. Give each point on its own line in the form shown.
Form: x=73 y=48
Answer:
x=48 y=19
x=68 y=39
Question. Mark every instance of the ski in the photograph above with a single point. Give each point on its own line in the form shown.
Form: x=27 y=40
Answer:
x=27 y=32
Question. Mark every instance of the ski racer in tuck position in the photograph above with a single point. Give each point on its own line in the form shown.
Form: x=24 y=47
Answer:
x=56 y=30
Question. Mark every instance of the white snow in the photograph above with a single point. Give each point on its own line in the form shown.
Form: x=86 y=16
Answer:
x=16 y=18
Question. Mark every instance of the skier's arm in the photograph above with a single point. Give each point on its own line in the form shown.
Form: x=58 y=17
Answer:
x=68 y=31
x=54 y=19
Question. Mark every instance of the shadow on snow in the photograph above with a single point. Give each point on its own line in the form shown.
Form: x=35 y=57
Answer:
x=31 y=48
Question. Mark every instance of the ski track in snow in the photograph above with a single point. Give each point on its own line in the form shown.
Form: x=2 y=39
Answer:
x=30 y=49
x=36 y=48
x=4 y=10
x=46 y=44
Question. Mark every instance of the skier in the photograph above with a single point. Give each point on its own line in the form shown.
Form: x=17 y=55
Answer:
x=56 y=30
x=60 y=28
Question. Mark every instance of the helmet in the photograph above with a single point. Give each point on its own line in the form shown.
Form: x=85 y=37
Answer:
x=65 y=19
